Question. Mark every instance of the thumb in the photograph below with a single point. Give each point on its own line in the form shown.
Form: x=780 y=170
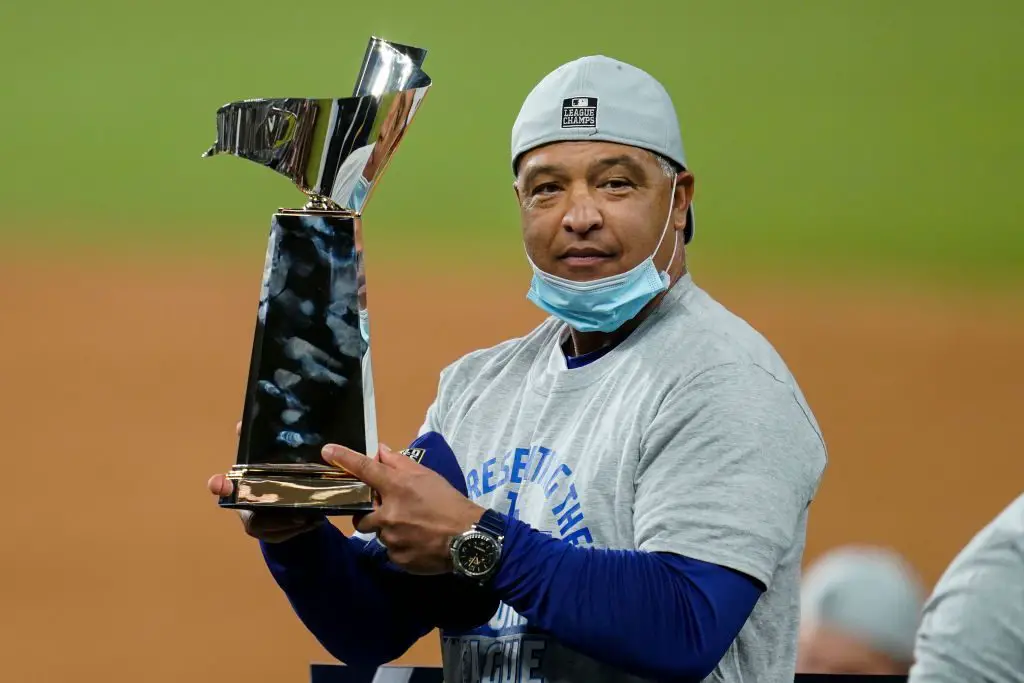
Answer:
x=219 y=485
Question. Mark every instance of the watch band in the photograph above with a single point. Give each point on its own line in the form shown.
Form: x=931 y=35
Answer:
x=493 y=523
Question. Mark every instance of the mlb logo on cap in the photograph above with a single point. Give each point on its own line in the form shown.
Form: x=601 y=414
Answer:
x=579 y=112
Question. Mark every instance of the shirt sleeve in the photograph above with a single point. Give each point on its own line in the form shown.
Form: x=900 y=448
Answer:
x=728 y=466
x=360 y=607
x=431 y=422
x=433 y=419
x=673 y=617
x=972 y=627
x=327 y=578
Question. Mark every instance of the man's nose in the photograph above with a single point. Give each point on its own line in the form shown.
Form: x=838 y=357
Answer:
x=583 y=214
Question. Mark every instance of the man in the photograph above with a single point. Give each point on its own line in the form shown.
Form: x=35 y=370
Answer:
x=860 y=608
x=972 y=630
x=638 y=467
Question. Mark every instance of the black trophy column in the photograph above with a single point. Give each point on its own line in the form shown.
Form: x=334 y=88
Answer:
x=305 y=380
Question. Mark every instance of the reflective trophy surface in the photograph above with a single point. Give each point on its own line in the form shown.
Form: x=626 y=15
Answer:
x=310 y=379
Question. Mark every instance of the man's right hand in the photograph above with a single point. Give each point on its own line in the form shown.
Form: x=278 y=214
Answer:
x=272 y=526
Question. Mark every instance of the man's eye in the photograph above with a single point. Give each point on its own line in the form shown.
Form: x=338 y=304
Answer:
x=618 y=184
x=545 y=188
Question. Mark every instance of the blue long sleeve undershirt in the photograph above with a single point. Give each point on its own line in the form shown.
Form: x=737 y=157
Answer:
x=362 y=609
x=653 y=614
x=657 y=615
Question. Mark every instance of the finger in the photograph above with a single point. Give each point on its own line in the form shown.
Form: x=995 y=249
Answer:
x=281 y=524
x=246 y=517
x=238 y=428
x=363 y=468
x=277 y=517
x=220 y=485
x=369 y=524
x=403 y=557
x=270 y=524
x=395 y=459
x=357 y=518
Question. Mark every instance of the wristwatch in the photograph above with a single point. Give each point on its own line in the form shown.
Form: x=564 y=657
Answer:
x=476 y=553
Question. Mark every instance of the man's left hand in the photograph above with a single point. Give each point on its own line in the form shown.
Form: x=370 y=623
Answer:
x=417 y=512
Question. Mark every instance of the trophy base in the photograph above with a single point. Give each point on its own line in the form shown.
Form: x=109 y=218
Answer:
x=316 y=488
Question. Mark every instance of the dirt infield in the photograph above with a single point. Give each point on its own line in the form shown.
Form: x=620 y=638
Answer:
x=121 y=388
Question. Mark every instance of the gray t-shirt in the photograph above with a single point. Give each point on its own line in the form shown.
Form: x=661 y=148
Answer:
x=972 y=629
x=690 y=437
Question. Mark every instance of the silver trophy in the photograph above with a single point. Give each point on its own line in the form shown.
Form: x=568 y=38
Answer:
x=310 y=380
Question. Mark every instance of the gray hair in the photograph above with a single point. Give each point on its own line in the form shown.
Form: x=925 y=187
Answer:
x=669 y=168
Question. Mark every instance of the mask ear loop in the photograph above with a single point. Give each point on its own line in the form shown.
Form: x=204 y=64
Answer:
x=668 y=221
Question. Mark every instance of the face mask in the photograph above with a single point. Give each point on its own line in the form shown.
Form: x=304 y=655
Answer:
x=359 y=192
x=602 y=305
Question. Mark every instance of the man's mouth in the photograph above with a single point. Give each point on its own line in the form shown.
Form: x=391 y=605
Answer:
x=584 y=256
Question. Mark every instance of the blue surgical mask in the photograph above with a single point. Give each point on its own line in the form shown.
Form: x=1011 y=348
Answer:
x=602 y=305
x=359 y=192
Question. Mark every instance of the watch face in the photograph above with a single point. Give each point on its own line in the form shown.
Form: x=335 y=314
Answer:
x=478 y=554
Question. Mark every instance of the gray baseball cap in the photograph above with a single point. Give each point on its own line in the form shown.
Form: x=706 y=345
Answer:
x=598 y=98
x=868 y=592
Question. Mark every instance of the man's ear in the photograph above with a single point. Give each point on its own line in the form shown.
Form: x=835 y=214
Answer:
x=684 y=195
x=515 y=188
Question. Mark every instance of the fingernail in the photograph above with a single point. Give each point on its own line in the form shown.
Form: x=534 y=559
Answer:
x=385 y=446
x=328 y=451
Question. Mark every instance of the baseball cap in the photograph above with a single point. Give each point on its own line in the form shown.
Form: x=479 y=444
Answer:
x=869 y=593
x=600 y=99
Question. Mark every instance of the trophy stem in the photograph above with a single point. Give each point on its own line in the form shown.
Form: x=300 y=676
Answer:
x=318 y=203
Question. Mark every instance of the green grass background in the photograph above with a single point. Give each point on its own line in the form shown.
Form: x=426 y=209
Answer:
x=867 y=137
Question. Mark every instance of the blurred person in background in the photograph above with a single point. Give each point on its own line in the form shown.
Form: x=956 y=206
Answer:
x=860 y=609
x=972 y=628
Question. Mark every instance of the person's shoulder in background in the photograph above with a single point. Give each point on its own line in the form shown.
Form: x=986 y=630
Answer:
x=972 y=626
